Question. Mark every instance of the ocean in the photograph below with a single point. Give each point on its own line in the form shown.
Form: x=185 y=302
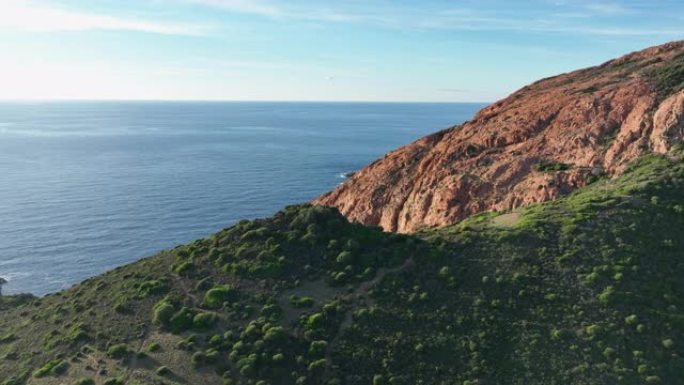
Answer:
x=88 y=186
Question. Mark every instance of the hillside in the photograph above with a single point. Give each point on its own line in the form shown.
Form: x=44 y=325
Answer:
x=582 y=290
x=541 y=142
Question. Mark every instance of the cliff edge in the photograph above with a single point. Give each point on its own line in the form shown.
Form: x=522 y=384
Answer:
x=543 y=141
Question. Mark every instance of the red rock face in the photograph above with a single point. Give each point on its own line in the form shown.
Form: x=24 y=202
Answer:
x=593 y=121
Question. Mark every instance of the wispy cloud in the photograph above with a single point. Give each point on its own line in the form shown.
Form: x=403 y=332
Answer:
x=576 y=17
x=454 y=90
x=608 y=8
x=24 y=15
x=283 y=11
x=256 y=7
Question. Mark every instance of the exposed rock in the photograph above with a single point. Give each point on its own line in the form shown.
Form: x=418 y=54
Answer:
x=594 y=120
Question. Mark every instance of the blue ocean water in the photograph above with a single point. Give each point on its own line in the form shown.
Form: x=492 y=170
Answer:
x=88 y=186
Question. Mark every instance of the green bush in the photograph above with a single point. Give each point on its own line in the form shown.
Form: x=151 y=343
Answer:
x=301 y=302
x=198 y=359
x=275 y=335
x=61 y=368
x=607 y=296
x=317 y=365
x=318 y=348
x=182 y=320
x=53 y=367
x=345 y=258
x=631 y=320
x=546 y=166
x=184 y=268
x=163 y=312
x=218 y=295
x=315 y=321
x=118 y=351
x=203 y=321
x=340 y=277
x=85 y=381
x=153 y=287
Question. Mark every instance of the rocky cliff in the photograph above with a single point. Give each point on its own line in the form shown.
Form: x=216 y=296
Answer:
x=542 y=141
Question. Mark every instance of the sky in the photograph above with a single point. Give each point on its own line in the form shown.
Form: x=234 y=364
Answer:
x=304 y=50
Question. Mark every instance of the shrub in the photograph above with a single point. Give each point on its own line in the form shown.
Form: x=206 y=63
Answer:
x=198 y=359
x=340 y=277
x=275 y=335
x=247 y=365
x=545 y=165
x=184 y=268
x=315 y=321
x=317 y=365
x=204 y=320
x=444 y=273
x=271 y=310
x=218 y=295
x=668 y=344
x=318 y=348
x=60 y=368
x=607 y=295
x=631 y=320
x=378 y=380
x=153 y=287
x=113 y=381
x=163 y=312
x=117 y=351
x=345 y=258
x=85 y=381
x=163 y=371
x=211 y=355
x=182 y=321
x=593 y=330
x=301 y=302
x=153 y=347
x=49 y=368
x=556 y=334
x=609 y=352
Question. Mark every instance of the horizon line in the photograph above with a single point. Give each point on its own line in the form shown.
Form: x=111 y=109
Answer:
x=77 y=100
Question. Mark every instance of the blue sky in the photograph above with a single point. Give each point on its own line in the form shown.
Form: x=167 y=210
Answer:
x=352 y=50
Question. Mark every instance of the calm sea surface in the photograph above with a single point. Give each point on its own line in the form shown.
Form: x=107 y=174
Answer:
x=88 y=186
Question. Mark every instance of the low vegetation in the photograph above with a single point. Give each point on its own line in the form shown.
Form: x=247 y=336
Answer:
x=669 y=78
x=582 y=290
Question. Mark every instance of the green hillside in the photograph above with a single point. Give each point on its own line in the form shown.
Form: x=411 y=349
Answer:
x=583 y=290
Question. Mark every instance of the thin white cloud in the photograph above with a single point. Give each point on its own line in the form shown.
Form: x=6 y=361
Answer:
x=389 y=15
x=256 y=7
x=23 y=15
x=276 y=10
x=608 y=8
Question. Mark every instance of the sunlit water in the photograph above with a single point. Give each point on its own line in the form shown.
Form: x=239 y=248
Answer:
x=88 y=186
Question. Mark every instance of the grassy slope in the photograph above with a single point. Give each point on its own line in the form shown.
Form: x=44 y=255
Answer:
x=583 y=290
